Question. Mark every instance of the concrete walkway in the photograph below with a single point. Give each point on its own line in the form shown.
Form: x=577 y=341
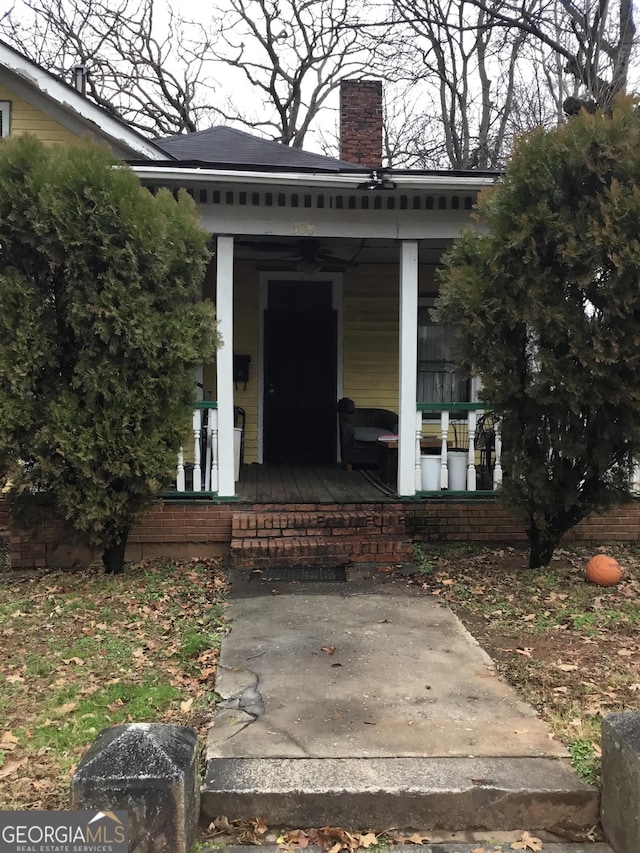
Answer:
x=339 y=693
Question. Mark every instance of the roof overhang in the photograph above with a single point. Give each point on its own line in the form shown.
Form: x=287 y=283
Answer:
x=404 y=181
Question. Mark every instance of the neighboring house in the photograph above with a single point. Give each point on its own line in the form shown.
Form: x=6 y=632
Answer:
x=34 y=101
x=323 y=279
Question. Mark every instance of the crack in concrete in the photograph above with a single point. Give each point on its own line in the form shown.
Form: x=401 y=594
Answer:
x=248 y=699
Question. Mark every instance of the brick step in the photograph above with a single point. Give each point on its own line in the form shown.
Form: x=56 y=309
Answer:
x=317 y=523
x=261 y=553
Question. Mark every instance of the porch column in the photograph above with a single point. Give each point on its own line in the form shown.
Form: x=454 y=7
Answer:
x=224 y=364
x=408 y=367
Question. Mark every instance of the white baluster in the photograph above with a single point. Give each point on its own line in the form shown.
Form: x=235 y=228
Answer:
x=634 y=475
x=444 y=430
x=497 y=468
x=472 y=421
x=418 y=451
x=180 y=472
x=213 y=414
x=197 y=474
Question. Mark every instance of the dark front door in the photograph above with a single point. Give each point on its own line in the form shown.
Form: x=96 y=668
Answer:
x=300 y=385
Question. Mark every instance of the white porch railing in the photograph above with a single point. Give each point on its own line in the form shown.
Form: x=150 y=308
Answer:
x=469 y=444
x=201 y=473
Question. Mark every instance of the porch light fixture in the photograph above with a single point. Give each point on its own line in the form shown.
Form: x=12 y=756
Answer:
x=376 y=182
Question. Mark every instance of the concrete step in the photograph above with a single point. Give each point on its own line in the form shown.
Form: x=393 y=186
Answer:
x=263 y=552
x=452 y=794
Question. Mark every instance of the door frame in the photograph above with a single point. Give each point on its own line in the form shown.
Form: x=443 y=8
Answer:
x=336 y=280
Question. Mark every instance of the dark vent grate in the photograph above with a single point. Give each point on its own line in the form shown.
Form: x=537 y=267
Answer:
x=302 y=574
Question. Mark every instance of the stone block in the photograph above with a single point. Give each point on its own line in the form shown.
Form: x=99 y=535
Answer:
x=620 y=801
x=151 y=770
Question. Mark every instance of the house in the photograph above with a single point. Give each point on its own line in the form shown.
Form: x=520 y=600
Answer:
x=323 y=276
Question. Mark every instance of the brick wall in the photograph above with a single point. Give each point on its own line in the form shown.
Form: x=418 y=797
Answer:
x=185 y=529
x=171 y=530
x=4 y=514
x=488 y=521
x=361 y=122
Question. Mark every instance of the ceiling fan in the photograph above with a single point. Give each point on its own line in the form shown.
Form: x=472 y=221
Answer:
x=306 y=255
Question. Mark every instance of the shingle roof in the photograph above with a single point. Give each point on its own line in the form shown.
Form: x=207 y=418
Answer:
x=225 y=146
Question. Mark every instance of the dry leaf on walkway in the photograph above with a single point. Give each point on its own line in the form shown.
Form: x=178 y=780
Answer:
x=414 y=838
x=527 y=842
x=328 y=649
x=333 y=839
x=242 y=831
x=296 y=839
x=367 y=839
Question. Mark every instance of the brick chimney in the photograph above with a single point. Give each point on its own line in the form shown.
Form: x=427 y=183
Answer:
x=361 y=122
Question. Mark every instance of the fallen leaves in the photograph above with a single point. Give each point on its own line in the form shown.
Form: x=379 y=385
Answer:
x=332 y=839
x=527 y=842
x=8 y=741
x=10 y=767
x=65 y=709
x=241 y=831
x=524 y=650
x=329 y=650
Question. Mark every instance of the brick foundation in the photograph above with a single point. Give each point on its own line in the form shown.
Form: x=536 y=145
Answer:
x=173 y=530
x=186 y=529
x=489 y=521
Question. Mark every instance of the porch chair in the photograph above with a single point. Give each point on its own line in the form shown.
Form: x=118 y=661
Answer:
x=360 y=430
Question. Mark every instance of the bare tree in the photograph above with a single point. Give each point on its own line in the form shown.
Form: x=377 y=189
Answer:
x=594 y=38
x=292 y=53
x=145 y=65
x=461 y=74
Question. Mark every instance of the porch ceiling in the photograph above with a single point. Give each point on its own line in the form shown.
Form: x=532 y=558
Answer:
x=271 y=252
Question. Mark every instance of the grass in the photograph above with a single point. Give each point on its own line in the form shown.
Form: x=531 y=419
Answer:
x=80 y=652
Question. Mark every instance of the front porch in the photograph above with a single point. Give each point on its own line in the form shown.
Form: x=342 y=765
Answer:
x=455 y=451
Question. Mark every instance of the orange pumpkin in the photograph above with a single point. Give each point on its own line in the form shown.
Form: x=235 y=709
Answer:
x=603 y=570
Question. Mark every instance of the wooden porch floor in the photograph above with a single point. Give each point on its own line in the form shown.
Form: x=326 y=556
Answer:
x=316 y=484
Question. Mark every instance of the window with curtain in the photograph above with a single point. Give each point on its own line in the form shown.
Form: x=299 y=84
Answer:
x=438 y=380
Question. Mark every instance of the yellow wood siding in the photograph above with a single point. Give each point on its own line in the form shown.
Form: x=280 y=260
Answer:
x=371 y=329
x=246 y=336
x=371 y=348
x=25 y=118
